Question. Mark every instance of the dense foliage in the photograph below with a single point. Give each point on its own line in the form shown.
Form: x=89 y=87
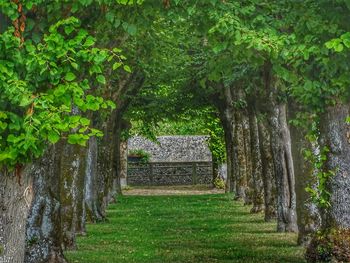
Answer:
x=242 y=72
x=52 y=73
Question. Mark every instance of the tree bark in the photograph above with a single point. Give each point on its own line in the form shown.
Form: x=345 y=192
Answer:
x=72 y=172
x=106 y=164
x=15 y=200
x=335 y=135
x=224 y=104
x=44 y=233
x=282 y=155
x=123 y=163
x=92 y=205
x=257 y=181
x=240 y=173
x=117 y=156
x=333 y=244
x=284 y=170
x=268 y=170
x=308 y=214
x=230 y=180
x=215 y=166
x=249 y=188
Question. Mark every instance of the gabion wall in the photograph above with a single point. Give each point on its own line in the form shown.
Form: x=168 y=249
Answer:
x=175 y=160
x=170 y=173
x=173 y=148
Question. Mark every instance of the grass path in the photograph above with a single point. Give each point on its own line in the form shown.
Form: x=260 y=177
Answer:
x=201 y=228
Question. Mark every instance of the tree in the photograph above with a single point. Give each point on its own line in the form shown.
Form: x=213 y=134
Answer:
x=52 y=71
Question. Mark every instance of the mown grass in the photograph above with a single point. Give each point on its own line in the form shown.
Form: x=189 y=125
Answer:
x=202 y=228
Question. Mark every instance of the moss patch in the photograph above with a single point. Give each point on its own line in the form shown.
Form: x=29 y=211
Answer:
x=328 y=246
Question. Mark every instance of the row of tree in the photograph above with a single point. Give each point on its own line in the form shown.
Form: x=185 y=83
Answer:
x=276 y=72
x=263 y=65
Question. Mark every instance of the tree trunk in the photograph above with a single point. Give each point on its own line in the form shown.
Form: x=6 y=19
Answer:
x=257 y=181
x=92 y=207
x=240 y=173
x=215 y=167
x=15 y=200
x=276 y=110
x=268 y=170
x=284 y=170
x=117 y=153
x=123 y=163
x=225 y=107
x=230 y=180
x=106 y=165
x=333 y=245
x=308 y=214
x=335 y=135
x=249 y=189
x=72 y=172
x=44 y=233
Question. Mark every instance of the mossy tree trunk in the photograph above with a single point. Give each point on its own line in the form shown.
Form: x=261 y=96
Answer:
x=276 y=110
x=240 y=147
x=43 y=231
x=249 y=191
x=333 y=245
x=257 y=180
x=268 y=170
x=106 y=164
x=72 y=172
x=308 y=214
x=284 y=170
x=335 y=135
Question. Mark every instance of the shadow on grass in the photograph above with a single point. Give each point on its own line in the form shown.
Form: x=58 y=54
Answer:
x=209 y=228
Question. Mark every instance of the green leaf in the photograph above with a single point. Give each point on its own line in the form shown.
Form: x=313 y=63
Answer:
x=70 y=76
x=80 y=139
x=339 y=47
x=89 y=41
x=117 y=23
x=3 y=115
x=68 y=29
x=116 y=65
x=84 y=121
x=111 y=104
x=110 y=17
x=74 y=65
x=74 y=119
x=53 y=137
x=101 y=79
x=3 y=125
x=25 y=101
x=5 y=156
x=132 y=30
x=127 y=68
x=347 y=120
x=117 y=50
x=73 y=138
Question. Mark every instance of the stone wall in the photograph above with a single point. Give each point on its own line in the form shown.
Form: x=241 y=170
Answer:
x=175 y=160
x=174 y=148
x=170 y=173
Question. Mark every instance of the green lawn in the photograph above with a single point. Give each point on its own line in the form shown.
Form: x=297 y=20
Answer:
x=207 y=228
